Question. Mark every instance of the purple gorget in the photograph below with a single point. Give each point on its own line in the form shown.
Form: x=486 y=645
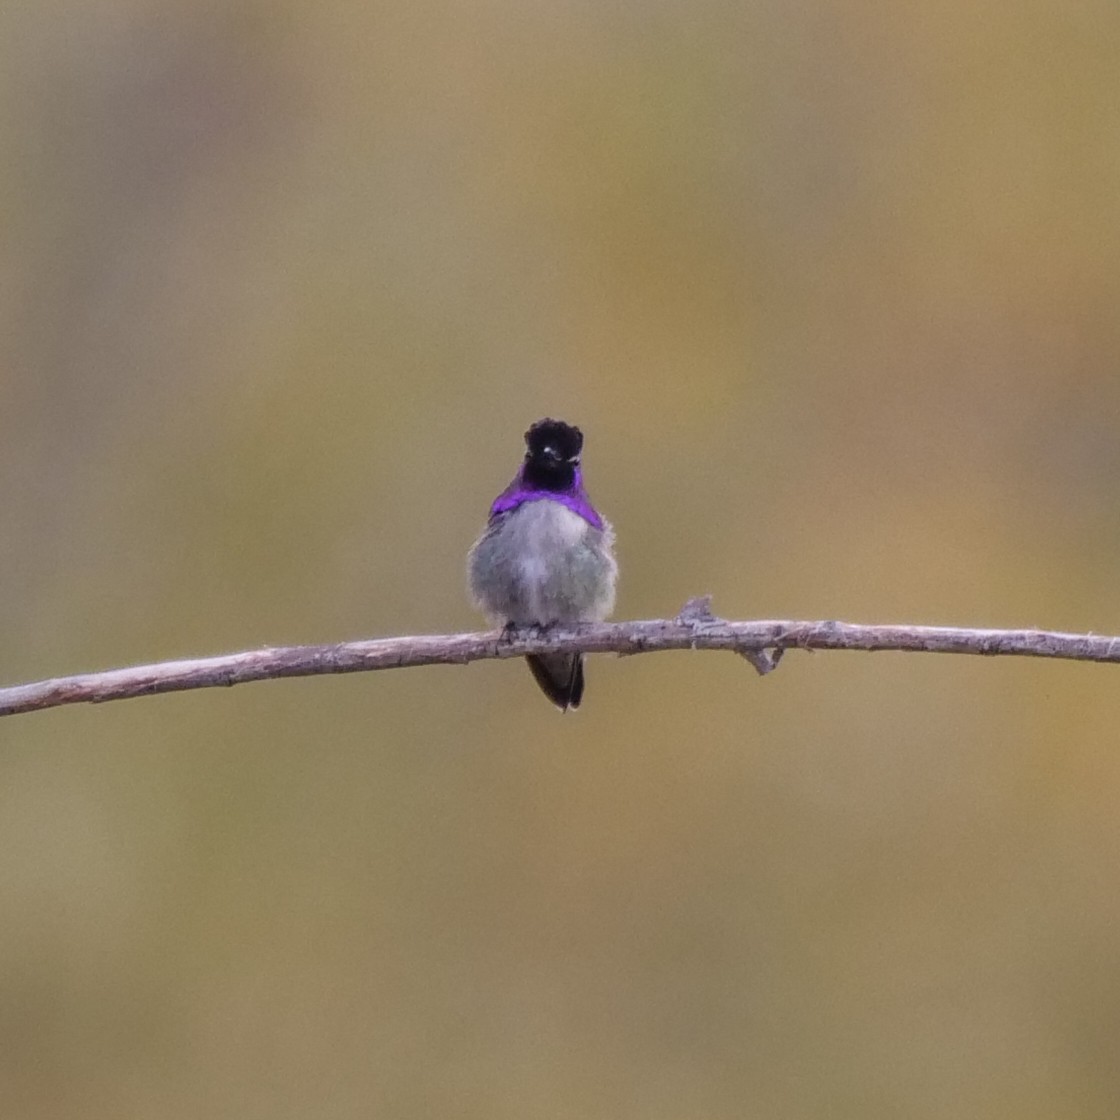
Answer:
x=518 y=492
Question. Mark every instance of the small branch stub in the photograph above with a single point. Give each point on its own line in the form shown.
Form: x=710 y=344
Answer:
x=762 y=643
x=697 y=612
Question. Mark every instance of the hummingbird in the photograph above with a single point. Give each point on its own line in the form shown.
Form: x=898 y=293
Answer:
x=546 y=555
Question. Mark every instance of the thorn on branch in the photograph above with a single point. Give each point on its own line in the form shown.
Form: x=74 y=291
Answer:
x=764 y=660
x=697 y=609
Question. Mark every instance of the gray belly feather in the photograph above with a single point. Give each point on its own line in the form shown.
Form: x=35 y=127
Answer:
x=542 y=564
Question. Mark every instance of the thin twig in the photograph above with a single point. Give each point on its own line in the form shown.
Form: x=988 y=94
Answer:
x=761 y=642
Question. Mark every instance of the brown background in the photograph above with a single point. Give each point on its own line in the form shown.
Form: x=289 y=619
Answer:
x=833 y=290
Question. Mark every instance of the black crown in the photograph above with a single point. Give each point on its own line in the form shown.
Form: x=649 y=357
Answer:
x=566 y=439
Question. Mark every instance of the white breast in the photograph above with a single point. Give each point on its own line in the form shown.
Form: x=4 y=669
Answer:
x=547 y=527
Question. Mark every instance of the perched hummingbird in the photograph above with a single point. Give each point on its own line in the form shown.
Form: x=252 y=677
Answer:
x=546 y=556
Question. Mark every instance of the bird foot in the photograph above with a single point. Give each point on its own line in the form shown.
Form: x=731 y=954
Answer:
x=512 y=631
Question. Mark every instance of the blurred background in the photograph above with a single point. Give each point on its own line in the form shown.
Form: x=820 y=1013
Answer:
x=832 y=289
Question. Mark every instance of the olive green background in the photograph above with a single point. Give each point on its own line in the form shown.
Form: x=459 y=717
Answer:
x=833 y=290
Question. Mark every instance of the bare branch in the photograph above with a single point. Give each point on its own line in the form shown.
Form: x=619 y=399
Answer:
x=761 y=642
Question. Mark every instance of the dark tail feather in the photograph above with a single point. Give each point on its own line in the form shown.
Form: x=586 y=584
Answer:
x=560 y=676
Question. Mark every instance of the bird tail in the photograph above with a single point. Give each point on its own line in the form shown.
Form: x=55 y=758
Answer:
x=560 y=676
